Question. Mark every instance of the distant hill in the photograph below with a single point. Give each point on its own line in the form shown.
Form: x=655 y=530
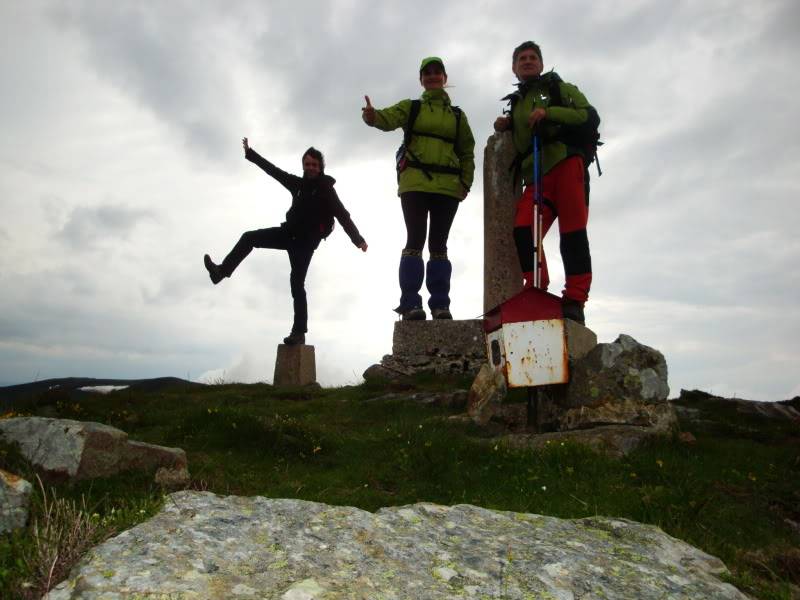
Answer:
x=73 y=384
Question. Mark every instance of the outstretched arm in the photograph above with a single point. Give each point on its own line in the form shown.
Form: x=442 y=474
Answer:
x=287 y=180
x=341 y=214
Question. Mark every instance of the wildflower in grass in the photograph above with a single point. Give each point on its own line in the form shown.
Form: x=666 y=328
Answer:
x=751 y=477
x=544 y=488
x=660 y=463
x=570 y=470
x=633 y=475
x=317 y=449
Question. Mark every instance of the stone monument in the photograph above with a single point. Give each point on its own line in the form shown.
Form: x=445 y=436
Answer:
x=295 y=365
x=502 y=276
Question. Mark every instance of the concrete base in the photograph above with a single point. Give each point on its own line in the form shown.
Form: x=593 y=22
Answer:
x=295 y=365
x=441 y=336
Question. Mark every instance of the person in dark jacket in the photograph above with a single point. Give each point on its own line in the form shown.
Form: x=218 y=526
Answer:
x=310 y=219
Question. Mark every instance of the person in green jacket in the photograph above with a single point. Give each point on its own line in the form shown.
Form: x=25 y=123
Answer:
x=535 y=110
x=436 y=165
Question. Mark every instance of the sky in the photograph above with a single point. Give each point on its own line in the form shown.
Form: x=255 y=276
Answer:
x=121 y=165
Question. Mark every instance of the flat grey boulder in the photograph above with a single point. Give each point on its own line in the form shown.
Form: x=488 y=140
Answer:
x=206 y=546
x=63 y=449
x=15 y=497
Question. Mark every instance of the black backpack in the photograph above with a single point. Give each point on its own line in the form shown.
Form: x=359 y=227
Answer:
x=408 y=132
x=585 y=137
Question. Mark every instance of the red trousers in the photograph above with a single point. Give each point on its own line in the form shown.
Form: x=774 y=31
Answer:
x=564 y=198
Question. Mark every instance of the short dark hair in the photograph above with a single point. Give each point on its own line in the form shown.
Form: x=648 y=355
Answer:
x=526 y=46
x=314 y=153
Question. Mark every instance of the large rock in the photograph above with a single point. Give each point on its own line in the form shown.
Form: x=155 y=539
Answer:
x=234 y=547
x=622 y=383
x=65 y=449
x=15 y=496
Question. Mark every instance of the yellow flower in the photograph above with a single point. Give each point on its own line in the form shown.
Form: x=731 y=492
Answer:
x=660 y=463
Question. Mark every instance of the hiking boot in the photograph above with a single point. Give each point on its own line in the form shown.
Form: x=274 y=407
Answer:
x=295 y=339
x=573 y=310
x=441 y=313
x=411 y=314
x=214 y=270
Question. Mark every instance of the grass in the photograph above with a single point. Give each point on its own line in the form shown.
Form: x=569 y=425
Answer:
x=730 y=494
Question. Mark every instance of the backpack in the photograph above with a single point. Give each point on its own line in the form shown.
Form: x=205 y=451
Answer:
x=403 y=162
x=585 y=137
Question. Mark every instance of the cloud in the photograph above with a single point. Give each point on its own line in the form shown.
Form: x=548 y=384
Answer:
x=175 y=60
x=87 y=227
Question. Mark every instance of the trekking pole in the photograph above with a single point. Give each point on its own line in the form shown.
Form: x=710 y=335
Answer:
x=537 y=223
x=538 y=217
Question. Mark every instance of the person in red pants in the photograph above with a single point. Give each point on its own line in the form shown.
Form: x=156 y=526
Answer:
x=557 y=112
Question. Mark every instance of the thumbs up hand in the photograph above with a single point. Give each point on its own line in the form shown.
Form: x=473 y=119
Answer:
x=368 y=112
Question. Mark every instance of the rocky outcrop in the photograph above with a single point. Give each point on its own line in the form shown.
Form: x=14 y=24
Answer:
x=62 y=449
x=615 y=399
x=15 y=496
x=786 y=410
x=441 y=347
x=234 y=547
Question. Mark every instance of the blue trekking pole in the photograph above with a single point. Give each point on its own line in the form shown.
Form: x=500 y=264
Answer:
x=538 y=218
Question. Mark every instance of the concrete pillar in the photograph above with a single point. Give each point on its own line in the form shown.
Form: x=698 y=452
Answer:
x=295 y=365
x=502 y=277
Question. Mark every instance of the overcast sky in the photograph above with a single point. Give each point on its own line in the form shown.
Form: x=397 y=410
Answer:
x=121 y=165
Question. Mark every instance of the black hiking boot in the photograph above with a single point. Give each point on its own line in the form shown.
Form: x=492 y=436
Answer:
x=441 y=313
x=214 y=270
x=411 y=314
x=573 y=310
x=295 y=339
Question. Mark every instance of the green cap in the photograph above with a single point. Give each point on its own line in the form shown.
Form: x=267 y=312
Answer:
x=429 y=60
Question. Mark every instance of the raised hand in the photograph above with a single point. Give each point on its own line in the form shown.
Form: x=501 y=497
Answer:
x=245 y=145
x=368 y=112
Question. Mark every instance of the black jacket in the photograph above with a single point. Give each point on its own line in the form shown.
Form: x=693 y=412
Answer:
x=314 y=203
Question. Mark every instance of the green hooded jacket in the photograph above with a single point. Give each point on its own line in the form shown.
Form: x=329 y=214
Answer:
x=437 y=118
x=536 y=94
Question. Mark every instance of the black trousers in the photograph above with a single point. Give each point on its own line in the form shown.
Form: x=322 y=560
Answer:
x=300 y=252
x=416 y=207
